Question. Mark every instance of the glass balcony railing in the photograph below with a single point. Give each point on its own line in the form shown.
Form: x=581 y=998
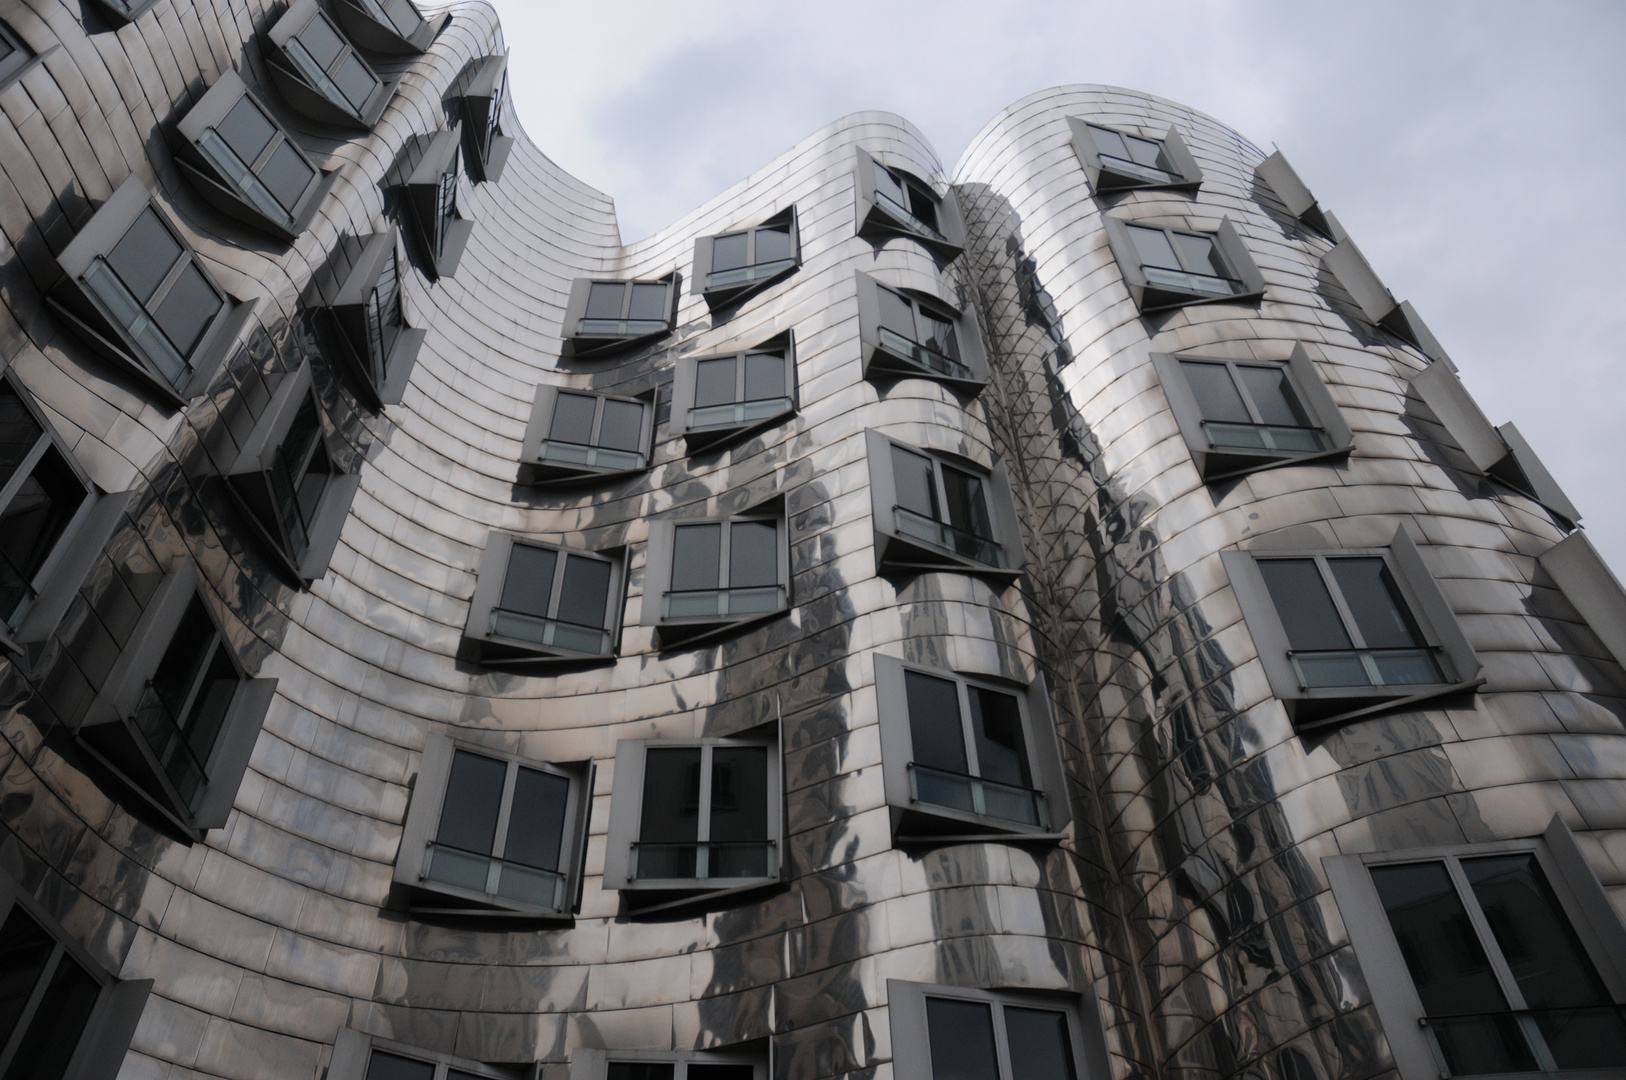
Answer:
x=699 y=861
x=1368 y=667
x=621 y=327
x=973 y=794
x=169 y=745
x=550 y=632
x=922 y=355
x=901 y=214
x=127 y=311
x=494 y=877
x=1299 y=440
x=593 y=457
x=746 y=275
x=738 y=412
x=1149 y=173
x=1204 y=284
x=317 y=76
x=718 y=603
x=946 y=537
x=231 y=166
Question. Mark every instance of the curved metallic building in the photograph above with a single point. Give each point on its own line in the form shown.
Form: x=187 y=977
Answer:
x=1066 y=620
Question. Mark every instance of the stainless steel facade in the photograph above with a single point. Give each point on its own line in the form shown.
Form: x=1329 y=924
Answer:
x=1187 y=899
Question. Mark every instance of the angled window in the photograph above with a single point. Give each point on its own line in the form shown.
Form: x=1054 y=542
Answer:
x=426 y=174
x=893 y=202
x=140 y=297
x=1281 y=178
x=491 y=833
x=935 y=512
x=391 y=27
x=320 y=74
x=362 y=294
x=731 y=266
x=718 y=398
x=359 y=1056
x=63 y=1014
x=123 y=12
x=948 y=1032
x=177 y=718
x=1241 y=415
x=603 y=316
x=908 y=335
x=1487 y=959
x=16 y=58
x=1116 y=160
x=967 y=755
x=244 y=164
x=576 y=436
x=1344 y=631
x=1578 y=569
x=694 y=815
x=1170 y=268
x=482 y=90
x=537 y=602
x=710 y=577
x=1376 y=302
x=286 y=480
x=727 y=1063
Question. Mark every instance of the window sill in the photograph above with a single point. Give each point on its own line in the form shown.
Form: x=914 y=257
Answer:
x=1225 y=463
x=720 y=297
x=1312 y=709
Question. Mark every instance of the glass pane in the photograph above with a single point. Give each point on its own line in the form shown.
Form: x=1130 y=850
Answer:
x=713 y=382
x=897 y=314
x=32 y=523
x=54 y=1031
x=887 y=186
x=1145 y=152
x=391 y=1067
x=704 y=1071
x=696 y=556
x=1199 y=255
x=1040 y=1046
x=604 y=299
x=144 y=255
x=585 y=593
x=764 y=376
x=923 y=205
x=739 y=794
x=1273 y=396
x=996 y=724
x=355 y=82
x=1216 y=393
x=1109 y=143
x=536 y=820
x=321 y=41
x=468 y=817
x=939 y=335
x=729 y=252
x=773 y=243
x=912 y=477
x=967 y=505
x=639 y=1070
x=187 y=309
x=1446 y=960
x=528 y=586
x=1303 y=604
x=286 y=175
x=19 y=431
x=25 y=949
x=189 y=649
x=246 y=130
x=623 y=426
x=671 y=809
x=648 y=301
x=1153 y=245
x=753 y=554
x=573 y=418
x=211 y=703
x=962 y=1040
x=934 y=722
x=1370 y=594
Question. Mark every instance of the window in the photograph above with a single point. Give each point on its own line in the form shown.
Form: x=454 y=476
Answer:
x=932 y=512
x=947 y=1032
x=576 y=436
x=540 y=602
x=1238 y=416
x=1343 y=631
x=732 y=266
x=1578 y=569
x=139 y=296
x=359 y=1056
x=707 y=577
x=177 y=718
x=483 y=89
x=123 y=12
x=1170 y=268
x=16 y=58
x=606 y=315
x=730 y=1063
x=319 y=72
x=362 y=287
x=717 y=398
x=61 y=1014
x=694 y=815
x=392 y=27
x=908 y=335
x=892 y=202
x=425 y=174
x=1117 y=161
x=1495 y=958
x=1376 y=303
x=1281 y=178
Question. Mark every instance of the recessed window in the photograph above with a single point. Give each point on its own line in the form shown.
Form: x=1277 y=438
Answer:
x=946 y=1033
x=715 y=398
x=575 y=436
x=730 y=266
x=1168 y=268
x=607 y=315
x=708 y=576
x=908 y=335
x=426 y=175
x=729 y=1063
x=894 y=202
x=541 y=602
x=320 y=73
x=933 y=512
x=482 y=90
x=361 y=291
x=392 y=27
x=359 y=1056
x=1117 y=160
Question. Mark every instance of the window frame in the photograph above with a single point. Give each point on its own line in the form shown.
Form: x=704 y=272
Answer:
x=539 y=471
x=914 y=820
x=361 y=27
x=1106 y=179
x=1376 y=303
x=589 y=1063
x=911 y=1036
x=724 y=296
x=223 y=192
x=876 y=223
x=885 y=365
x=1394 y=996
x=353 y=1054
x=1217 y=462
x=424 y=172
x=687 y=630
x=1315 y=707
x=497 y=650
x=1578 y=568
x=708 y=436
x=108 y=731
x=896 y=552
x=1283 y=181
x=24 y=58
x=86 y=314
x=120 y=18
x=586 y=345
x=1152 y=298
x=347 y=304
x=305 y=97
x=481 y=93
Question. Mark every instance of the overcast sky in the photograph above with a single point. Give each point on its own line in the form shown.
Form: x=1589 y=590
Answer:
x=1475 y=150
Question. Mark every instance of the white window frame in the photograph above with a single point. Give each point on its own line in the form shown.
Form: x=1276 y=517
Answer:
x=500 y=650
x=1110 y=175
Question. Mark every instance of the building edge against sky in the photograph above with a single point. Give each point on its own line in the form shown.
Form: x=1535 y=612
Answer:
x=1062 y=618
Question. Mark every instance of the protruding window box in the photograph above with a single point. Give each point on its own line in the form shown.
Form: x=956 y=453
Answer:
x=370 y=318
x=1116 y=161
x=1170 y=268
x=538 y=603
x=933 y=511
x=140 y=297
x=286 y=480
x=426 y=175
x=579 y=437
x=245 y=165
x=123 y=12
x=177 y=718
x=893 y=202
x=320 y=74
x=731 y=267
x=740 y=1062
x=359 y=1056
x=604 y=316
x=17 y=58
x=482 y=90
x=1346 y=263
x=705 y=578
x=910 y=335
x=717 y=399
x=390 y=27
x=1281 y=178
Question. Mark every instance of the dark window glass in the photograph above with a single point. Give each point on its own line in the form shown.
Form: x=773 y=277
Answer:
x=383 y=317
x=1153 y=245
x=286 y=175
x=19 y=432
x=144 y=255
x=967 y=505
x=34 y=520
x=299 y=475
x=1273 y=396
x=696 y=557
x=739 y=794
x=195 y=665
x=1039 y=1044
x=187 y=308
x=934 y=722
x=246 y=130
x=586 y=591
x=773 y=244
x=604 y=299
x=212 y=702
x=713 y=382
x=6 y=49
x=322 y=42
x=671 y=808
x=53 y=1033
x=25 y=950
x=459 y=1074
x=1370 y=594
x=996 y=723
x=764 y=376
x=536 y=820
x=729 y=252
x=648 y=301
x=708 y=1071
x=1109 y=143
x=528 y=585
x=573 y=418
x=913 y=478
x=897 y=314
x=623 y=426
x=938 y=334
x=753 y=554
x=639 y=1070
x=1198 y=254
x=923 y=205
x=1304 y=605
x=1216 y=393
x=390 y=1067
x=355 y=82
x=468 y=818
x=961 y=1034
